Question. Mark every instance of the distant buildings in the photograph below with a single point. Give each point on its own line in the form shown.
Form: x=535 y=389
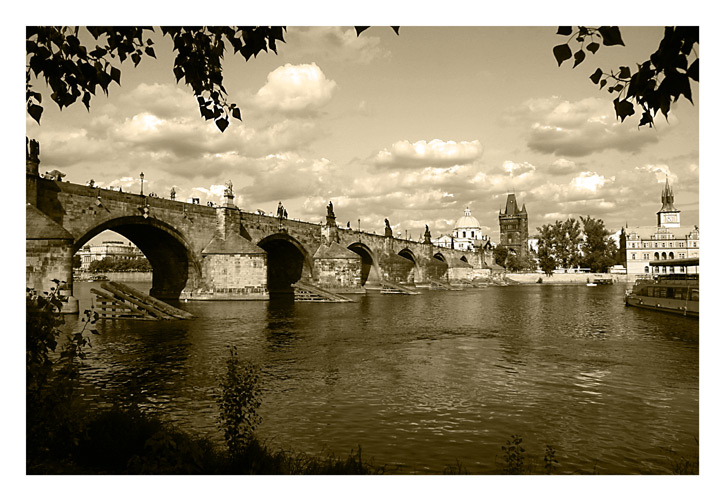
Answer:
x=514 y=226
x=666 y=240
x=467 y=235
x=110 y=248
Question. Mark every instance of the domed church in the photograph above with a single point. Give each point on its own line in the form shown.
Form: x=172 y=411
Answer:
x=466 y=235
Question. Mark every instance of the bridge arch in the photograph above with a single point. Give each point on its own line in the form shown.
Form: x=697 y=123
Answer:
x=171 y=256
x=288 y=261
x=370 y=268
x=413 y=272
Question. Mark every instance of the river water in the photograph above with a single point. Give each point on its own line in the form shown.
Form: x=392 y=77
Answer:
x=424 y=382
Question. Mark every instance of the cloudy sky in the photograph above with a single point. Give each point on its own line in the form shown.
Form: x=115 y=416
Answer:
x=412 y=127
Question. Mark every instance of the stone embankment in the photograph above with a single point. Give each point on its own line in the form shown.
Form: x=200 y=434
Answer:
x=564 y=278
x=117 y=276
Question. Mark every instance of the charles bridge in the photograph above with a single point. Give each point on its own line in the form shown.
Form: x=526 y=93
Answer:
x=221 y=252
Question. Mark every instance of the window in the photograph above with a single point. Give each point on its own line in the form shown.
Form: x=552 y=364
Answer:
x=682 y=244
x=672 y=269
x=681 y=255
x=646 y=269
x=646 y=255
x=645 y=245
x=464 y=234
x=682 y=269
x=657 y=255
x=671 y=244
x=655 y=245
x=634 y=255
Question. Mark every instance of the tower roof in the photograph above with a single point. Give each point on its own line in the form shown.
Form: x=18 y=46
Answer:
x=512 y=207
x=668 y=198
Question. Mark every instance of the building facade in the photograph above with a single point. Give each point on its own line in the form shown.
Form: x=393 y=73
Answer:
x=514 y=226
x=666 y=240
x=109 y=248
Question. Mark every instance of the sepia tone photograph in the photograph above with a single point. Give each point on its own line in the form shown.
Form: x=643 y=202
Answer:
x=362 y=250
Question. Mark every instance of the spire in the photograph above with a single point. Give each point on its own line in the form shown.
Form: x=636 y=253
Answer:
x=668 y=197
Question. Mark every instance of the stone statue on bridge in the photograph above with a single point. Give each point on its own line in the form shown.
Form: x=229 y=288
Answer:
x=426 y=235
x=172 y=194
x=228 y=192
x=388 y=229
x=281 y=211
x=330 y=216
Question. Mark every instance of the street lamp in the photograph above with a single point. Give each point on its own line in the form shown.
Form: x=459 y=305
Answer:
x=142 y=183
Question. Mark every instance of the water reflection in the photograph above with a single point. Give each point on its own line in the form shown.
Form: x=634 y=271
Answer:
x=423 y=381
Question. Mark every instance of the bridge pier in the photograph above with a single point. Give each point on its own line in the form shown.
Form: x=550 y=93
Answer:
x=49 y=257
x=232 y=266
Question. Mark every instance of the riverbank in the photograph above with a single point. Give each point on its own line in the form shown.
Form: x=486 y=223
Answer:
x=117 y=276
x=565 y=278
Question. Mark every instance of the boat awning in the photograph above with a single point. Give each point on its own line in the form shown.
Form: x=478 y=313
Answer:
x=688 y=261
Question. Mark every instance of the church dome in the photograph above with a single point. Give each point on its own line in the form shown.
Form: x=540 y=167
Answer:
x=467 y=221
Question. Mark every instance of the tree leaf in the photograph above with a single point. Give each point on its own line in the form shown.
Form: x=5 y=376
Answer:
x=562 y=53
x=578 y=58
x=360 y=29
x=222 y=123
x=694 y=70
x=150 y=51
x=624 y=72
x=35 y=111
x=564 y=30
x=593 y=47
x=623 y=109
x=594 y=77
x=611 y=35
x=237 y=113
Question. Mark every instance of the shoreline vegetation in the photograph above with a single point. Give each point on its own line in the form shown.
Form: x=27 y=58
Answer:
x=65 y=435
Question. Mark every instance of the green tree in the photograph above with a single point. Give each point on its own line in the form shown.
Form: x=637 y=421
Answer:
x=500 y=254
x=545 y=251
x=567 y=238
x=559 y=245
x=599 y=252
x=655 y=84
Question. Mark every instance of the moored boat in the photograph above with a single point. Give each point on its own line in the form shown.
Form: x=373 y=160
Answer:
x=674 y=293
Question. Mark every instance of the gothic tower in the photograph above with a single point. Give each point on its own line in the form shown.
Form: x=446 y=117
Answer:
x=514 y=226
x=668 y=216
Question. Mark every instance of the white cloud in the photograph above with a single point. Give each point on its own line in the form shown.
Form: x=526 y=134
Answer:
x=518 y=169
x=332 y=43
x=582 y=127
x=295 y=89
x=435 y=153
x=588 y=181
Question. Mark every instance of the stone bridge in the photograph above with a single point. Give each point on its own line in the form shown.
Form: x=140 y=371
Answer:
x=221 y=252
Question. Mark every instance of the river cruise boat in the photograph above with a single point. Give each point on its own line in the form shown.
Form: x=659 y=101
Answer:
x=673 y=293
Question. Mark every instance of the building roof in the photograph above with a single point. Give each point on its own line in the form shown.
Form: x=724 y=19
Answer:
x=646 y=232
x=467 y=221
